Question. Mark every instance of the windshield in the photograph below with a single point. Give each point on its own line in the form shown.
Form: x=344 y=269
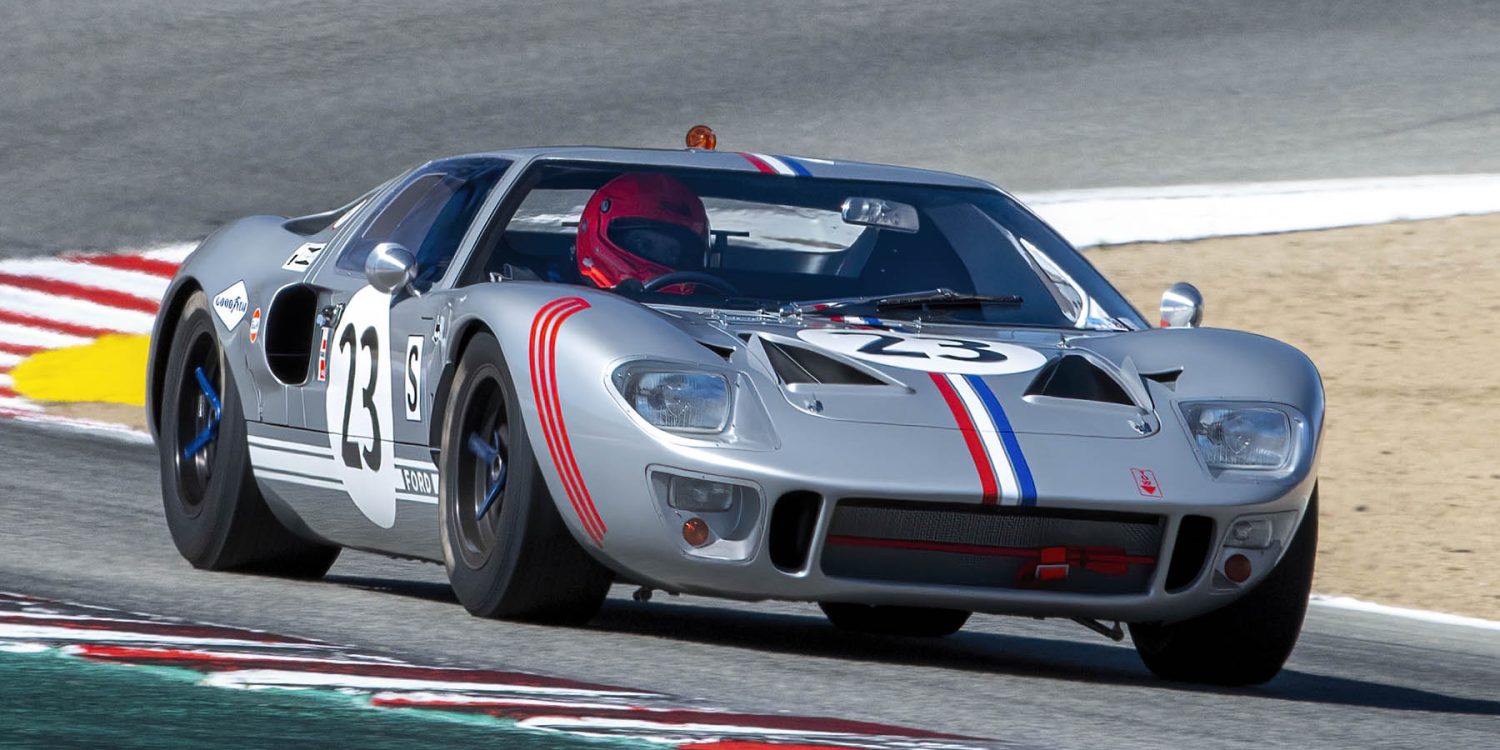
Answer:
x=777 y=243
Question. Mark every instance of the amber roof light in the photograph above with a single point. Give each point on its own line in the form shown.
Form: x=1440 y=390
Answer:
x=702 y=136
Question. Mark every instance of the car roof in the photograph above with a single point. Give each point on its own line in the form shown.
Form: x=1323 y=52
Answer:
x=741 y=161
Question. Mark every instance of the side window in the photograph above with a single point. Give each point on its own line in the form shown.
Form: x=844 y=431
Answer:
x=429 y=215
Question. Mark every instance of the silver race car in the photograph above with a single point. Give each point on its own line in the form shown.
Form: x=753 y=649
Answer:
x=893 y=392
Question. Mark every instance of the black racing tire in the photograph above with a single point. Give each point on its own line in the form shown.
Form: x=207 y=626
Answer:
x=519 y=562
x=1247 y=642
x=920 y=622
x=215 y=513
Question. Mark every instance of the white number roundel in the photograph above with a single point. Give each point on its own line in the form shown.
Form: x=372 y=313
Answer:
x=927 y=353
x=359 y=405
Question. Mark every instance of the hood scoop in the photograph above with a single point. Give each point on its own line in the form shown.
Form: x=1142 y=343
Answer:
x=1077 y=377
x=795 y=364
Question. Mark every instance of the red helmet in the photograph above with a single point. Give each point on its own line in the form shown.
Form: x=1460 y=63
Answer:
x=641 y=226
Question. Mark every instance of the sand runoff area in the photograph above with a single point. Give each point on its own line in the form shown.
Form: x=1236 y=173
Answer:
x=1401 y=319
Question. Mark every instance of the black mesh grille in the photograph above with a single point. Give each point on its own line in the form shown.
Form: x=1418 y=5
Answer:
x=992 y=546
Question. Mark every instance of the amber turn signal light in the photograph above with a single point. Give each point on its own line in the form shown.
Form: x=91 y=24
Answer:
x=695 y=532
x=1237 y=568
x=702 y=136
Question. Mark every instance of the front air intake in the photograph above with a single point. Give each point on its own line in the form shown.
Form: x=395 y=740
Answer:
x=792 y=523
x=1194 y=538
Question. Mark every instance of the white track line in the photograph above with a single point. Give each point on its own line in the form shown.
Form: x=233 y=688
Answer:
x=19 y=409
x=1441 y=618
x=111 y=637
x=250 y=678
x=1111 y=216
x=32 y=413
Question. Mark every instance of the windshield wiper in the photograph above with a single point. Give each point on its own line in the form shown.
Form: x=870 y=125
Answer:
x=940 y=297
x=950 y=299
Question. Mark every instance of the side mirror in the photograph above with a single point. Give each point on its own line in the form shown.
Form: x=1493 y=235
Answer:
x=1181 y=306
x=390 y=266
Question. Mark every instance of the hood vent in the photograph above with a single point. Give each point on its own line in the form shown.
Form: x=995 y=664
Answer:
x=793 y=364
x=1074 y=376
x=726 y=352
x=1167 y=378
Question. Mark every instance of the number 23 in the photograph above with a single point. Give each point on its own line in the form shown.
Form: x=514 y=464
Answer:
x=370 y=341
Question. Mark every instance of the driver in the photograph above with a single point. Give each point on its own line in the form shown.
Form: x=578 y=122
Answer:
x=639 y=227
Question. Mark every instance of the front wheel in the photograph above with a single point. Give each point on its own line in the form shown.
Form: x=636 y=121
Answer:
x=1246 y=642
x=507 y=551
x=922 y=622
x=216 y=515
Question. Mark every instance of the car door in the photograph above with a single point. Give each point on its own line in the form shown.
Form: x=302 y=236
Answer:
x=369 y=397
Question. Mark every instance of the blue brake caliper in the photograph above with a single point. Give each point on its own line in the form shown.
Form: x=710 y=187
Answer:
x=212 y=429
x=488 y=454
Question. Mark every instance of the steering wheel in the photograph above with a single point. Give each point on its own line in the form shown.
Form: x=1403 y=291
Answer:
x=690 y=277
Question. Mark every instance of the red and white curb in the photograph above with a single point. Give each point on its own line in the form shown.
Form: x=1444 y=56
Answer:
x=230 y=657
x=70 y=300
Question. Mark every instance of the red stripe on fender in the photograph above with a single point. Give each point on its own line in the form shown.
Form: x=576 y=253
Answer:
x=8 y=393
x=541 y=328
x=46 y=324
x=567 y=445
x=108 y=297
x=982 y=464
x=568 y=466
x=543 y=354
x=163 y=268
x=758 y=162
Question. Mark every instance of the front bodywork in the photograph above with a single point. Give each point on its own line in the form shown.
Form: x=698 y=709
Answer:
x=893 y=461
x=933 y=484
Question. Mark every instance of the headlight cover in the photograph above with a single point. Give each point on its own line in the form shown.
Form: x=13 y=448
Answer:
x=682 y=401
x=1240 y=437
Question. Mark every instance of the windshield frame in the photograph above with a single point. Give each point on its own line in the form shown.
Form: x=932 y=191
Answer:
x=1008 y=215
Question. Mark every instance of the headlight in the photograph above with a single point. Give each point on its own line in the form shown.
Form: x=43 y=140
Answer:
x=1240 y=437
x=677 y=400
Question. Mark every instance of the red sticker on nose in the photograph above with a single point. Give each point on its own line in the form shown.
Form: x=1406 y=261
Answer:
x=1145 y=481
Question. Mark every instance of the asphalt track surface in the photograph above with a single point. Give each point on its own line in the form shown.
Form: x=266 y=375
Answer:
x=80 y=519
x=129 y=122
